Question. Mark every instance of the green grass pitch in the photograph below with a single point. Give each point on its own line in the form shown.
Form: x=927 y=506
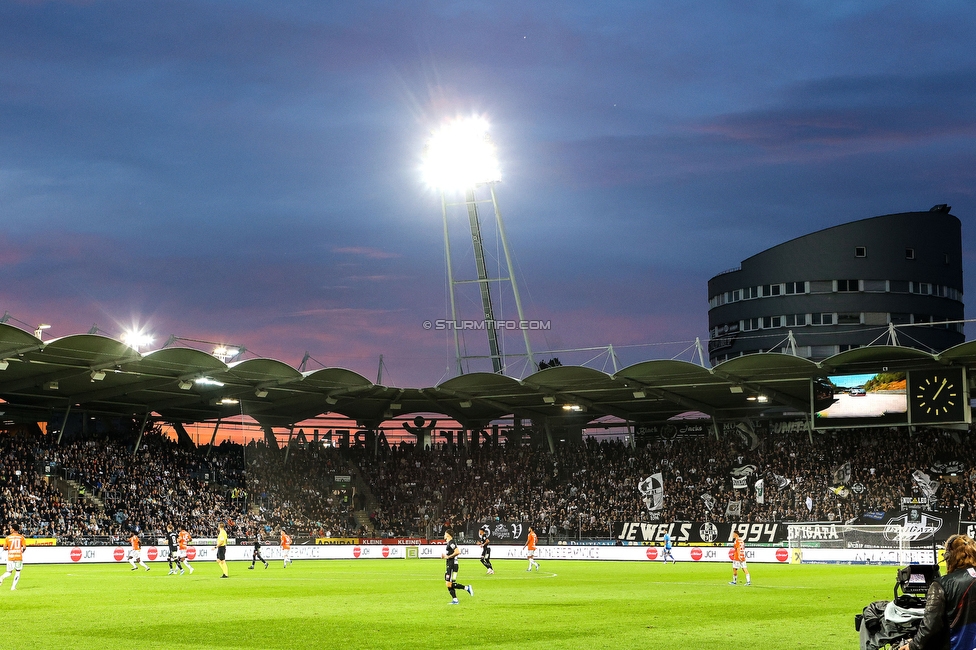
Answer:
x=404 y=604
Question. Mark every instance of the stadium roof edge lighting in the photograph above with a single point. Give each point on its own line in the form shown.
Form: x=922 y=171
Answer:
x=104 y=376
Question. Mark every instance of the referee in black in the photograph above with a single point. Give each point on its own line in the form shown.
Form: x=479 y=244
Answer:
x=485 y=545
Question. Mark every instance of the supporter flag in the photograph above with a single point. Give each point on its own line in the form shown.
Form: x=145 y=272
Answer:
x=747 y=433
x=760 y=491
x=740 y=483
x=840 y=491
x=841 y=475
x=652 y=488
x=925 y=483
x=781 y=481
x=734 y=509
x=709 y=501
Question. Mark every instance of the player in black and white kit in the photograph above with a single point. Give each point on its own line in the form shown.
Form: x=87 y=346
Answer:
x=173 y=541
x=485 y=543
x=256 y=555
x=451 y=553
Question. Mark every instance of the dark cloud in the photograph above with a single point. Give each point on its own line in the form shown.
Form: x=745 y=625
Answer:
x=249 y=170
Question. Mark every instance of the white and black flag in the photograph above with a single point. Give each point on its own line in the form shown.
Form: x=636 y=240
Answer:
x=841 y=475
x=734 y=509
x=761 y=491
x=925 y=483
x=709 y=501
x=652 y=489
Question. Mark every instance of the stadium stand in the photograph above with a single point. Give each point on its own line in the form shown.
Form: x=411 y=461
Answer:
x=97 y=490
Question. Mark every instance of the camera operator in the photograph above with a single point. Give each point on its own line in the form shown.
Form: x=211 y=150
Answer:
x=950 y=604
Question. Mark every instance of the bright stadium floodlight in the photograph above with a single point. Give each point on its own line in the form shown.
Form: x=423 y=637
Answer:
x=460 y=156
x=136 y=339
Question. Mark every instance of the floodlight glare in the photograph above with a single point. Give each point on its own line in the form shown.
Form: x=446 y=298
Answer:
x=460 y=156
x=136 y=340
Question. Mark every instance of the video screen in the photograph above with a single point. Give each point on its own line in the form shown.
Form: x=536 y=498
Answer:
x=861 y=400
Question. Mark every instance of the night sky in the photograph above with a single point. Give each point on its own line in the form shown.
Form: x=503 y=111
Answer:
x=249 y=172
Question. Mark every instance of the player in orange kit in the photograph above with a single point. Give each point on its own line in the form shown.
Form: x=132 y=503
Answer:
x=529 y=547
x=135 y=553
x=285 y=548
x=739 y=559
x=184 y=540
x=14 y=545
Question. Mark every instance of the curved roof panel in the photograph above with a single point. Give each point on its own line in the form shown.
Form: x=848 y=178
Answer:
x=335 y=379
x=964 y=353
x=768 y=365
x=85 y=350
x=481 y=383
x=179 y=361
x=569 y=378
x=666 y=372
x=263 y=370
x=14 y=340
x=875 y=357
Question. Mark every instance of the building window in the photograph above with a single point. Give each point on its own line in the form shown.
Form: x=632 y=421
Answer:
x=822 y=319
x=909 y=253
x=848 y=285
x=772 y=321
x=921 y=318
x=849 y=346
x=822 y=351
x=796 y=320
x=821 y=286
x=901 y=319
x=898 y=286
x=751 y=292
x=796 y=287
x=923 y=288
x=875 y=286
x=771 y=290
x=860 y=251
x=848 y=319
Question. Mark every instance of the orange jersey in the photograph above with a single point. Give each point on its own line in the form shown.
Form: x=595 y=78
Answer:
x=184 y=539
x=533 y=538
x=136 y=544
x=14 y=544
x=285 y=541
x=738 y=550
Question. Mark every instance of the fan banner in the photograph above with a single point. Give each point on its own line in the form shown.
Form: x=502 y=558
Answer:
x=697 y=532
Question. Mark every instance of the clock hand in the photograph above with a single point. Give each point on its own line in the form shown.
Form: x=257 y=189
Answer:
x=944 y=381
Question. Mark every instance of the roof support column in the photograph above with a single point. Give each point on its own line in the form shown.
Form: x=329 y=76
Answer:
x=64 y=423
x=142 y=430
x=213 y=438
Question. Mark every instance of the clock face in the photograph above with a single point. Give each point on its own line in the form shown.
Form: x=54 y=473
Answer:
x=938 y=396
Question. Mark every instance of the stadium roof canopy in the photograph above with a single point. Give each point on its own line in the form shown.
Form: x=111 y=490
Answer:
x=102 y=376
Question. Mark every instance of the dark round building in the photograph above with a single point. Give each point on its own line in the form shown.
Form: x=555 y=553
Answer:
x=842 y=288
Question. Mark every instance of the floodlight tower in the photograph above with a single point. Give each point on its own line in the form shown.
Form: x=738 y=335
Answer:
x=460 y=157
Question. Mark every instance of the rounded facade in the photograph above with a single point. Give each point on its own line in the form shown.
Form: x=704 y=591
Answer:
x=842 y=288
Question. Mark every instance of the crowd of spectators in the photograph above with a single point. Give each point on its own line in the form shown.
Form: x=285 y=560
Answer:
x=574 y=491
x=582 y=490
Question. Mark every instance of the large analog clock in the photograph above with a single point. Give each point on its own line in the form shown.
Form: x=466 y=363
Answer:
x=938 y=396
